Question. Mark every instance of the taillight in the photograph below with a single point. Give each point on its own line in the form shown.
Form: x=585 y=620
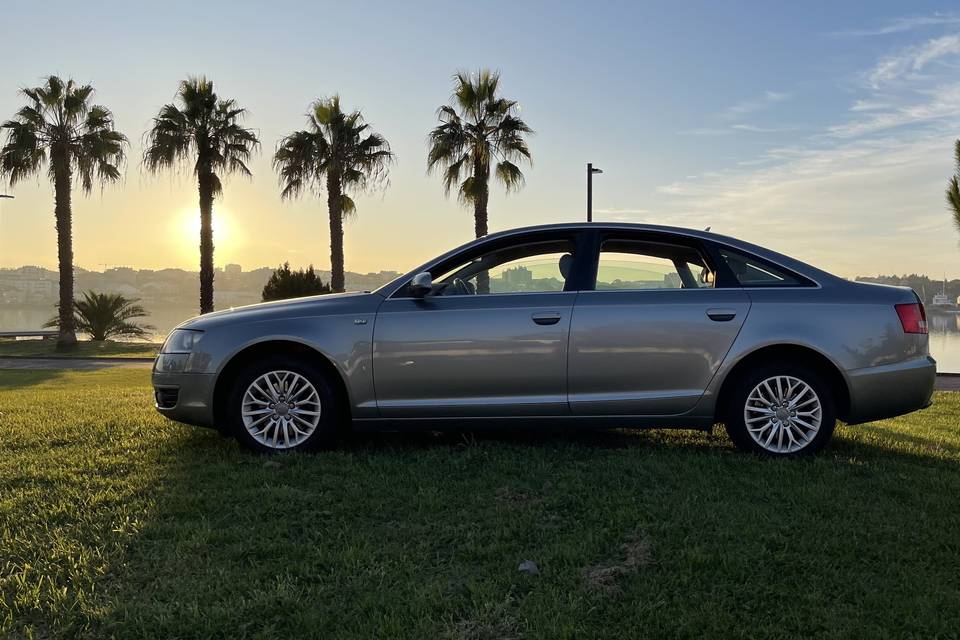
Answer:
x=913 y=317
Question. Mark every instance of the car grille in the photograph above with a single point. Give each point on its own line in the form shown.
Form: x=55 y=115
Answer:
x=166 y=397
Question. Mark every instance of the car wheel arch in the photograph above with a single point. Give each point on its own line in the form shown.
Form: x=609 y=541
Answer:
x=252 y=352
x=794 y=353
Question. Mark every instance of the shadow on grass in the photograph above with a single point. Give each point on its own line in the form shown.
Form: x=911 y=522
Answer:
x=22 y=378
x=419 y=535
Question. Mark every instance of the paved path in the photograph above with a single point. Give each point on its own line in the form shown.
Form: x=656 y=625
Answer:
x=79 y=364
x=948 y=383
x=944 y=382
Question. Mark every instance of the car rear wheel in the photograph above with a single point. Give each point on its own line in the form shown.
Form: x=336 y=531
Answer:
x=781 y=410
x=281 y=404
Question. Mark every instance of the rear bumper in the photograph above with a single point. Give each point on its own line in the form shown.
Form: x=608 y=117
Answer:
x=890 y=390
x=185 y=397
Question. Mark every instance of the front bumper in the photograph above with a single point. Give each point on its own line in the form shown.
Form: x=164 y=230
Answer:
x=185 y=397
x=890 y=390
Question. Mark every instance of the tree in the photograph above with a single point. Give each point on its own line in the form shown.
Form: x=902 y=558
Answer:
x=337 y=152
x=285 y=283
x=79 y=143
x=481 y=128
x=953 y=189
x=107 y=315
x=202 y=127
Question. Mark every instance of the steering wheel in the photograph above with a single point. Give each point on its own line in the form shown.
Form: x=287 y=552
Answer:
x=459 y=287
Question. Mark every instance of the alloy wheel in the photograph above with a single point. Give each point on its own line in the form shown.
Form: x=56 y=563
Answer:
x=281 y=409
x=783 y=414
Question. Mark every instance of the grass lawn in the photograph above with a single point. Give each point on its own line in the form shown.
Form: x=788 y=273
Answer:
x=85 y=349
x=115 y=522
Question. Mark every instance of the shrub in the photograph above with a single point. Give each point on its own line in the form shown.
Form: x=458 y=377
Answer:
x=107 y=315
x=286 y=283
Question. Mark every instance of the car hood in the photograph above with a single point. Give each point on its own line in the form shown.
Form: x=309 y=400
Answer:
x=333 y=303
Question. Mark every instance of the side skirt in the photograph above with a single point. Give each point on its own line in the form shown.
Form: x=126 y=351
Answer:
x=703 y=423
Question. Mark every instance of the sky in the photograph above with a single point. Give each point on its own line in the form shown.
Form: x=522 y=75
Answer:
x=823 y=130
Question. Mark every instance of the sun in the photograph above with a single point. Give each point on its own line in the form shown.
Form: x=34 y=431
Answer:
x=222 y=227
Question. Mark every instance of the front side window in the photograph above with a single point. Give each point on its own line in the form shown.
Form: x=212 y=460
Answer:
x=632 y=265
x=532 y=268
x=753 y=272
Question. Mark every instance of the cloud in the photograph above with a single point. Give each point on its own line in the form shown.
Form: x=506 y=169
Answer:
x=939 y=104
x=726 y=131
x=673 y=189
x=901 y=25
x=845 y=207
x=621 y=215
x=705 y=131
x=907 y=63
x=752 y=128
x=869 y=105
x=864 y=194
x=767 y=100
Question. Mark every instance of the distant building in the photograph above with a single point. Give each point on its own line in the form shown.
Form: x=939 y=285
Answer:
x=233 y=270
x=518 y=276
x=29 y=285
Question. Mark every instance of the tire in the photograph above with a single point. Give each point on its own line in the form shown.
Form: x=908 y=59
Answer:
x=798 y=418
x=282 y=403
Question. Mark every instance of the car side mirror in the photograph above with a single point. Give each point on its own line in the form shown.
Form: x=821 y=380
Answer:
x=421 y=284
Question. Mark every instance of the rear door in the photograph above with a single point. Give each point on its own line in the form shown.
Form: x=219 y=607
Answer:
x=652 y=332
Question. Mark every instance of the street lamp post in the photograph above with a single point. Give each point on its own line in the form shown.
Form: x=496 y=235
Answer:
x=590 y=171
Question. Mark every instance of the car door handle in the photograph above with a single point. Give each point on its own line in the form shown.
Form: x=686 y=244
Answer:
x=546 y=318
x=721 y=315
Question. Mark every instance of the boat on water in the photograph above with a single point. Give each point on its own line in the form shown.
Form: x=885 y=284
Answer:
x=941 y=302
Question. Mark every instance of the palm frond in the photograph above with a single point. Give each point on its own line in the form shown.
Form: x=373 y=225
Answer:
x=334 y=141
x=347 y=205
x=481 y=129
x=953 y=189
x=510 y=175
x=107 y=315
x=59 y=117
x=202 y=126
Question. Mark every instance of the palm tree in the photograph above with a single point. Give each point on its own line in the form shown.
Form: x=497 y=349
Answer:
x=338 y=152
x=108 y=315
x=953 y=189
x=78 y=142
x=206 y=129
x=480 y=129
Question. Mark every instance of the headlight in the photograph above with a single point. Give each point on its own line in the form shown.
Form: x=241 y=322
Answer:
x=181 y=341
x=177 y=355
x=171 y=362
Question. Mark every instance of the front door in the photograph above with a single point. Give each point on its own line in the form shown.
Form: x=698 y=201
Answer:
x=651 y=335
x=489 y=340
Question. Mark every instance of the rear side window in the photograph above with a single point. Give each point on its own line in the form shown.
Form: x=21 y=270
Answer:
x=635 y=265
x=750 y=271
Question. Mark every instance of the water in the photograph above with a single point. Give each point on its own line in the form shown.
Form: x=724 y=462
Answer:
x=31 y=318
x=945 y=341
x=944 y=328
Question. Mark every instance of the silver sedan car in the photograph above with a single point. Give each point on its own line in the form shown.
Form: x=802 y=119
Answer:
x=598 y=325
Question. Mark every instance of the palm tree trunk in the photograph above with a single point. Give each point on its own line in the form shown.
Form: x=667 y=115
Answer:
x=205 y=183
x=67 y=340
x=481 y=177
x=335 y=207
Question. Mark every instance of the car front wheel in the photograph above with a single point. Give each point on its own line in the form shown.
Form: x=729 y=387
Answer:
x=282 y=405
x=781 y=410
